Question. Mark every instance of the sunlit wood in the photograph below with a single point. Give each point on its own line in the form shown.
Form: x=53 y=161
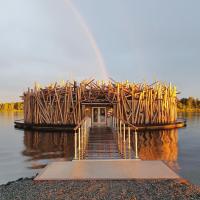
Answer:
x=138 y=104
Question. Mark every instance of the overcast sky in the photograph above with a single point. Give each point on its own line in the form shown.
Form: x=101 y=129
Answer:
x=45 y=41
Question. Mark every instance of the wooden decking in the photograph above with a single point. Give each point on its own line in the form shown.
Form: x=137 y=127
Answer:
x=102 y=144
x=106 y=169
x=103 y=160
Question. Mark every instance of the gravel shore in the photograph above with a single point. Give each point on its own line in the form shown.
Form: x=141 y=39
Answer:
x=100 y=189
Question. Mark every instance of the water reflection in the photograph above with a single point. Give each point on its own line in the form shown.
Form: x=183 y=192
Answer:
x=7 y=118
x=41 y=147
x=21 y=153
x=190 y=116
x=159 y=145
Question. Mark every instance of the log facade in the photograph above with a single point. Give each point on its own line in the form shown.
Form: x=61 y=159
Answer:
x=68 y=103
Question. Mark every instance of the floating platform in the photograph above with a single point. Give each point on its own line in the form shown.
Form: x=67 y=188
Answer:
x=57 y=127
x=180 y=123
x=19 y=124
x=106 y=169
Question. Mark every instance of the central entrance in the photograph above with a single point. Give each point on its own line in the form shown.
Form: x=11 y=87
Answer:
x=99 y=116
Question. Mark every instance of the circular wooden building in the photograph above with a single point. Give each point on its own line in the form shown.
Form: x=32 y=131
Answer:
x=102 y=103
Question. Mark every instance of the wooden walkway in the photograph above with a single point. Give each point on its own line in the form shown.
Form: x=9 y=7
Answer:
x=102 y=144
x=106 y=169
x=103 y=160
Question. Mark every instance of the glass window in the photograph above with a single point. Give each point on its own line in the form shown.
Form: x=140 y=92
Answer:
x=102 y=115
x=95 y=115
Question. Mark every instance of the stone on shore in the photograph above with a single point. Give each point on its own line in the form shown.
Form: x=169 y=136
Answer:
x=101 y=189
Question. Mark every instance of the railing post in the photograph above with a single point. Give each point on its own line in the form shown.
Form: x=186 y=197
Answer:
x=84 y=134
x=83 y=143
x=112 y=122
x=120 y=127
x=124 y=150
x=117 y=123
x=124 y=132
x=82 y=140
x=75 y=146
x=136 y=148
x=79 y=139
x=129 y=137
x=85 y=125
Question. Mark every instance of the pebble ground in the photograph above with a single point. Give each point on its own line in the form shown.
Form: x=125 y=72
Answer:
x=27 y=189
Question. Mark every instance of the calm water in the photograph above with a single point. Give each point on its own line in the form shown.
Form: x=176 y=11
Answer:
x=25 y=153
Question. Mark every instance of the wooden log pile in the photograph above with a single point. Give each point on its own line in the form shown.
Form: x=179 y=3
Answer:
x=139 y=104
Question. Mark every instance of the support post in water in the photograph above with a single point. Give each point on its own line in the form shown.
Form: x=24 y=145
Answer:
x=136 y=150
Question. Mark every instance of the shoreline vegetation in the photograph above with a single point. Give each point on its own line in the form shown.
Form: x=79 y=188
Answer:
x=13 y=106
x=190 y=104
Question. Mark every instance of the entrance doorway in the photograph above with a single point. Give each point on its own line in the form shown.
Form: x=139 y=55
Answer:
x=99 y=116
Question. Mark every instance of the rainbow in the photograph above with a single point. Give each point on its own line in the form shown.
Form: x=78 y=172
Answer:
x=91 y=39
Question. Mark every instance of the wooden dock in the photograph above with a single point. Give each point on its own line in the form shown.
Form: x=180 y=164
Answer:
x=103 y=160
x=102 y=144
x=106 y=169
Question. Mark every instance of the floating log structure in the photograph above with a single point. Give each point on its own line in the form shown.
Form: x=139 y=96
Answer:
x=66 y=103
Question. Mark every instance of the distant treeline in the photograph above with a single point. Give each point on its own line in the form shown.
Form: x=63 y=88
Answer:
x=188 y=104
x=184 y=104
x=16 y=106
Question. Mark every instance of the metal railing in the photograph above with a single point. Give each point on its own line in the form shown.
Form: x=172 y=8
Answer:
x=123 y=128
x=81 y=133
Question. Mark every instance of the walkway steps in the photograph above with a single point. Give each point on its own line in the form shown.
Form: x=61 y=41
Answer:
x=101 y=144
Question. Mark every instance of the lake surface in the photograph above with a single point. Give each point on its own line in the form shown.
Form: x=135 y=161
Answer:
x=25 y=153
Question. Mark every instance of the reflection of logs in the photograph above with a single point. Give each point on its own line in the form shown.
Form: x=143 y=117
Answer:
x=43 y=145
x=158 y=145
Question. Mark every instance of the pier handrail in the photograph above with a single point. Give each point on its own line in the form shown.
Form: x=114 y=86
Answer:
x=120 y=125
x=80 y=139
x=128 y=124
x=80 y=123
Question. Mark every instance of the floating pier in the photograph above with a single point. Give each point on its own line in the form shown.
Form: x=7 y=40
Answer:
x=105 y=153
x=107 y=170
